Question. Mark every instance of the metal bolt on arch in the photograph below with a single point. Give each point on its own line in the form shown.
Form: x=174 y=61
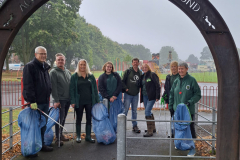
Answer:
x=13 y=14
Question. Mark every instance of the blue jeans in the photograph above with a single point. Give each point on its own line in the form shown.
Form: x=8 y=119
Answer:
x=148 y=105
x=44 y=108
x=133 y=100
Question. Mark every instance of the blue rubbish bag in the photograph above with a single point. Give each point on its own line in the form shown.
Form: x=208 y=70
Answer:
x=100 y=97
x=48 y=135
x=116 y=108
x=31 y=121
x=101 y=125
x=182 y=129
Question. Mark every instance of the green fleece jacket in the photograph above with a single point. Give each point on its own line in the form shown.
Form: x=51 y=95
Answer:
x=185 y=90
x=60 y=80
x=75 y=97
x=131 y=81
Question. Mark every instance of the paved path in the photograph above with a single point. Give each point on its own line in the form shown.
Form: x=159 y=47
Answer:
x=87 y=151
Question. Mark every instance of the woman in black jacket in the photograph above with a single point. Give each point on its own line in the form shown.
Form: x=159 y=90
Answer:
x=150 y=93
x=168 y=85
x=109 y=83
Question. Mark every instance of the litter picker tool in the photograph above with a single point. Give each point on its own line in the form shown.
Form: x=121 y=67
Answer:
x=45 y=115
x=73 y=126
x=52 y=119
x=59 y=129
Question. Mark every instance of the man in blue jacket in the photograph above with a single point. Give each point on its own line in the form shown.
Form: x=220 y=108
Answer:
x=37 y=86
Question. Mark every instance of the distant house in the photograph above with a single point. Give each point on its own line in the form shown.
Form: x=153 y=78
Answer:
x=203 y=68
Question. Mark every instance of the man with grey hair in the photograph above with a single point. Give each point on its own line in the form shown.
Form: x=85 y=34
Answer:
x=185 y=89
x=60 y=79
x=37 y=86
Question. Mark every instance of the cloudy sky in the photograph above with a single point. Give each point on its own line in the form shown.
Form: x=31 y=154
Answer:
x=155 y=23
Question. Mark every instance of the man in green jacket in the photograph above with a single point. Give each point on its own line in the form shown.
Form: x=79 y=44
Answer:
x=60 y=79
x=131 y=86
x=185 y=89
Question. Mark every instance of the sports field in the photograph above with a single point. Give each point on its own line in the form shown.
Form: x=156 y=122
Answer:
x=208 y=77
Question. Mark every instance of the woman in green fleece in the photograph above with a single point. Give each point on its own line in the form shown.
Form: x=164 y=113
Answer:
x=185 y=89
x=83 y=94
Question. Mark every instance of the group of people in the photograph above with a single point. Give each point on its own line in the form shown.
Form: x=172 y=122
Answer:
x=80 y=91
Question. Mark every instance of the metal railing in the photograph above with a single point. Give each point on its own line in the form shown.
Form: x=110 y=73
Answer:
x=122 y=138
x=11 y=134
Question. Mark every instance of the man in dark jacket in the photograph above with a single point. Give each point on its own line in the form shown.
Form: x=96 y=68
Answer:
x=37 y=86
x=60 y=79
x=131 y=85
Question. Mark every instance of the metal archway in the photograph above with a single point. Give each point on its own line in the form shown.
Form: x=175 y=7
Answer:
x=13 y=14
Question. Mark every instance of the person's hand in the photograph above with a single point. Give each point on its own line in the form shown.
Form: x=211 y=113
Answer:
x=56 y=105
x=33 y=106
x=157 y=100
x=126 y=90
x=187 y=104
x=171 y=112
x=114 y=97
x=162 y=101
x=73 y=105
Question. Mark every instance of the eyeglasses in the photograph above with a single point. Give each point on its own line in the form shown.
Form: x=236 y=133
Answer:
x=43 y=54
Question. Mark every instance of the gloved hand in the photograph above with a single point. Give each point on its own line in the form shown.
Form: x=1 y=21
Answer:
x=187 y=104
x=162 y=101
x=171 y=112
x=33 y=106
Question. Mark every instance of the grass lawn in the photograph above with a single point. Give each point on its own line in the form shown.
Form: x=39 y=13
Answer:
x=208 y=77
x=5 y=121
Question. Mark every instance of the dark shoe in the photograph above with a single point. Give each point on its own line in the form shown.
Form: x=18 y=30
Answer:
x=136 y=129
x=154 y=130
x=61 y=142
x=46 y=148
x=32 y=156
x=172 y=136
x=78 y=140
x=78 y=130
x=63 y=138
x=88 y=134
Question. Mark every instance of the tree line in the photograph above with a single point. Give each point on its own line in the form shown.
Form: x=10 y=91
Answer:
x=57 y=27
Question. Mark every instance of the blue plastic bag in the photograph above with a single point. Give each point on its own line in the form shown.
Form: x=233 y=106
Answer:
x=100 y=97
x=101 y=125
x=116 y=108
x=31 y=121
x=48 y=135
x=182 y=129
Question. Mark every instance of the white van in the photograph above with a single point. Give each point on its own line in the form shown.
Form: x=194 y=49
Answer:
x=14 y=67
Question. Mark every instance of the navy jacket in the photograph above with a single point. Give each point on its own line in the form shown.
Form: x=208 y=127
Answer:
x=36 y=82
x=102 y=85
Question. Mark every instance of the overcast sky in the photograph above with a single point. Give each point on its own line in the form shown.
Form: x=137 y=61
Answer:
x=156 y=23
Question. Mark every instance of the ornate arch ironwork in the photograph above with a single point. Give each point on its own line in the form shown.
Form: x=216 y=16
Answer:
x=13 y=14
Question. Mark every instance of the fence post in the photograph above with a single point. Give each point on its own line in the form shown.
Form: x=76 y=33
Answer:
x=11 y=127
x=213 y=129
x=196 y=113
x=105 y=102
x=121 y=137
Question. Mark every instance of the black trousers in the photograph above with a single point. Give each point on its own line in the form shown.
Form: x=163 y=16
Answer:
x=79 y=113
x=192 y=128
x=44 y=108
x=65 y=104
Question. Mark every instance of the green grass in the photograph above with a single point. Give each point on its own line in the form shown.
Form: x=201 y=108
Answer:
x=5 y=121
x=208 y=77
